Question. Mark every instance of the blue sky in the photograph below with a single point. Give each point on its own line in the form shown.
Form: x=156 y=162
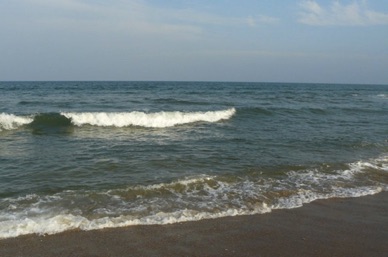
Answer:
x=273 y=41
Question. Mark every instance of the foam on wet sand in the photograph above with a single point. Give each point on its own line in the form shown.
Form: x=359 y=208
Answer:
x=333 y=227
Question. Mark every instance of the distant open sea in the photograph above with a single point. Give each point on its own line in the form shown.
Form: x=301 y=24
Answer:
x=91 y=155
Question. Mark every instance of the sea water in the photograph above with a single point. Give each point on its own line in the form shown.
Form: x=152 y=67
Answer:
x=91 y=155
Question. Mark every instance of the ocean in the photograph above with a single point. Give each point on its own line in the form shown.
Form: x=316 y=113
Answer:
x=92 y=155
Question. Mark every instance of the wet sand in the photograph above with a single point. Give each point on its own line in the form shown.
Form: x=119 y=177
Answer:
x=335 y=227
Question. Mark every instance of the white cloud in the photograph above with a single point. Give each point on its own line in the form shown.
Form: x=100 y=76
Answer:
x=122 y=16
x=267 y=19
x=261 y=19
x=353 y=14
x=135 y=15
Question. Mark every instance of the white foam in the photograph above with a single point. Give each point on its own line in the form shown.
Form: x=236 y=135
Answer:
x=307 y=196
x=312 y=185
x=10 y=121
x=380 y=163
x=152 y=120
x=64 y=222
x=187 y=199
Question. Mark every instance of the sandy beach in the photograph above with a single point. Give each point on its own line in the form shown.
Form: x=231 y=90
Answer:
x=335 y=227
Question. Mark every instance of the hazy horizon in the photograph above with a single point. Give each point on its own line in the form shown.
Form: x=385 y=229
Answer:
x=297 y=41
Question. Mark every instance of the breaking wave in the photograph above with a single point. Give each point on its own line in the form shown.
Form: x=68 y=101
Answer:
x=188 y=199
x=149 y=120
x=113 y=119
x=10 y=121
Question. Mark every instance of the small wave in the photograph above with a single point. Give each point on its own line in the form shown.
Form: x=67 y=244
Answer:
x=28 y=102
x=179 y=101
x=257 y=111
x=10 y=121
x=142 y=119
x=381 y=97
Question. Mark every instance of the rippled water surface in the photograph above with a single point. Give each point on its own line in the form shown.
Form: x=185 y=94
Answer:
x=90 y=155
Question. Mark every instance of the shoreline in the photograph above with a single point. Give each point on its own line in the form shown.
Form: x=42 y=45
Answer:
x=332 y=227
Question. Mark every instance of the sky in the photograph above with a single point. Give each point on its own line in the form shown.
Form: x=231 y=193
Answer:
x=311 y=41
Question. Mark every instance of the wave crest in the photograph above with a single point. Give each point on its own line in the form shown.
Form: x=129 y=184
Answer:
x=10 y=121
x=142 y=119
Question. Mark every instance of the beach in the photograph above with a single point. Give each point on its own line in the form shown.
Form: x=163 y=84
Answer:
x=126 y=168
x=333 y=227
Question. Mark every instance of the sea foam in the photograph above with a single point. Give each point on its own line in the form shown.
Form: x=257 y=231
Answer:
x=142 y=119
x=187 y=199
x=11 y=121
